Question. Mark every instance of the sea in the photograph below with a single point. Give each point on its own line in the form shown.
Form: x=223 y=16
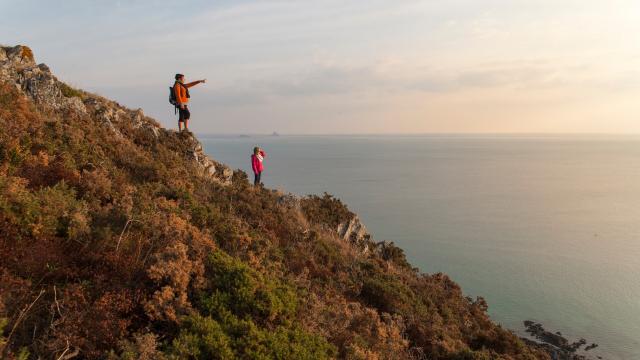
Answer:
x=544 y=227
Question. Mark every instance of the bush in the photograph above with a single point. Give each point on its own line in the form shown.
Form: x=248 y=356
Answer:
x=205 y=338
x=68 y=91
x=142 y=347
x=392 y=253
x=326 y=210
x=387 y=294
x=236 y=288
x=202 y=338
x=245 y=315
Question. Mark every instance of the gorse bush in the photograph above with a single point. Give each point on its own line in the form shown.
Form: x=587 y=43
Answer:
x=202 y=338
x=233 y=338
x=394 y=254
x=233 y=286
x=326 y=209
x=245 y=316
x=386 y=294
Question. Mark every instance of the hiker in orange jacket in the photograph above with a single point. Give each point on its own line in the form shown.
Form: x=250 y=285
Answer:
x=182 y=98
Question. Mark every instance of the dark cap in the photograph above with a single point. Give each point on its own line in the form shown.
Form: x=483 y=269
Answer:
x=178 y=76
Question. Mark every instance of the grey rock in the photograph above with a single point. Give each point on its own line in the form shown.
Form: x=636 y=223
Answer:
x=18 y=66
x=215 y=171
x=353 y=231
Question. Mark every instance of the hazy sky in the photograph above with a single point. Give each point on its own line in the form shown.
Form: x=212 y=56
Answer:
x=345 y=66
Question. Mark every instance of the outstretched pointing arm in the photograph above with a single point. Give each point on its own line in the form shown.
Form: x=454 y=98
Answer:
x=194 y=83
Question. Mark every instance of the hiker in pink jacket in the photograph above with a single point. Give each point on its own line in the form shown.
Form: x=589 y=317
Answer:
x=256 y=163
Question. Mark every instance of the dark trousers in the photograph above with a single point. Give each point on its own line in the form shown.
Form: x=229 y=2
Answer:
x=256 y=179
x=183 y=114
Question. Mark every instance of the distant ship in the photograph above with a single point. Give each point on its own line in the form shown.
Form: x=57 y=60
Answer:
x=275 y=134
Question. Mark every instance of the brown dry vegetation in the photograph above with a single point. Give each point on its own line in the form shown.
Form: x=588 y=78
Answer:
x=27 y=53
x=117 y=248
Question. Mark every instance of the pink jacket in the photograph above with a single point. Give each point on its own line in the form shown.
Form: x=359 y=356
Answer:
x=256 y=163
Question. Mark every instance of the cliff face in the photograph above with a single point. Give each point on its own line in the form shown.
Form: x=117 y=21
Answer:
x=120 y=239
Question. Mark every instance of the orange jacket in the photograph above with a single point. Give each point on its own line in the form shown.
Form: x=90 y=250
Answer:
x=181 y=91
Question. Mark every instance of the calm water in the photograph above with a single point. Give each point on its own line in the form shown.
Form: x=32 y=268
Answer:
x=545 y=228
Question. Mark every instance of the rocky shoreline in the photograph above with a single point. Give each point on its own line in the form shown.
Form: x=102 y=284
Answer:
x=556 y=344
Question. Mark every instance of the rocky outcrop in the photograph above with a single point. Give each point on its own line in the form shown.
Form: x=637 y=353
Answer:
x=334 y=218
x=18 y=67
x=355 y=232
x=556 y=344
x=206 y=165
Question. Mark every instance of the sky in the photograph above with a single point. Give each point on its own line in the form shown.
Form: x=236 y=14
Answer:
x=350 y=66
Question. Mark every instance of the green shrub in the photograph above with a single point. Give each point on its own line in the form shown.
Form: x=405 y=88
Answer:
x=245 y=315
x=205 y=338
x=49 y=211
x=68 y=91
x=202 y=338
x=392 y=253
x=244 y=292
x=387 y=294
x=326 y=210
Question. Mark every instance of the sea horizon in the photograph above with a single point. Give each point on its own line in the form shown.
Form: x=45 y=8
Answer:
x=429 y=134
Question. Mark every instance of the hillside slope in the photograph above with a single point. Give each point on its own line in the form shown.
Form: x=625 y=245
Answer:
x=120 y=239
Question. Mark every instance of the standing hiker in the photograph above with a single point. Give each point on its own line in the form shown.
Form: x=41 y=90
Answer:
x=256 y=164
x=179 y=96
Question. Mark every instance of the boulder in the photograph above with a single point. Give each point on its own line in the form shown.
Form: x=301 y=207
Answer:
x=355 y=232
x=17 y=66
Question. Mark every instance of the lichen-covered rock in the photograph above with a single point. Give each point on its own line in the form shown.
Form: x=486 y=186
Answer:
x=355 y=232
x=19 y=55
x=208 y=167
x=17 y=66
x=105 y=113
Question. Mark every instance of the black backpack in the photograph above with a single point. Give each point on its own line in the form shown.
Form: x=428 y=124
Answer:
x=172 y=97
